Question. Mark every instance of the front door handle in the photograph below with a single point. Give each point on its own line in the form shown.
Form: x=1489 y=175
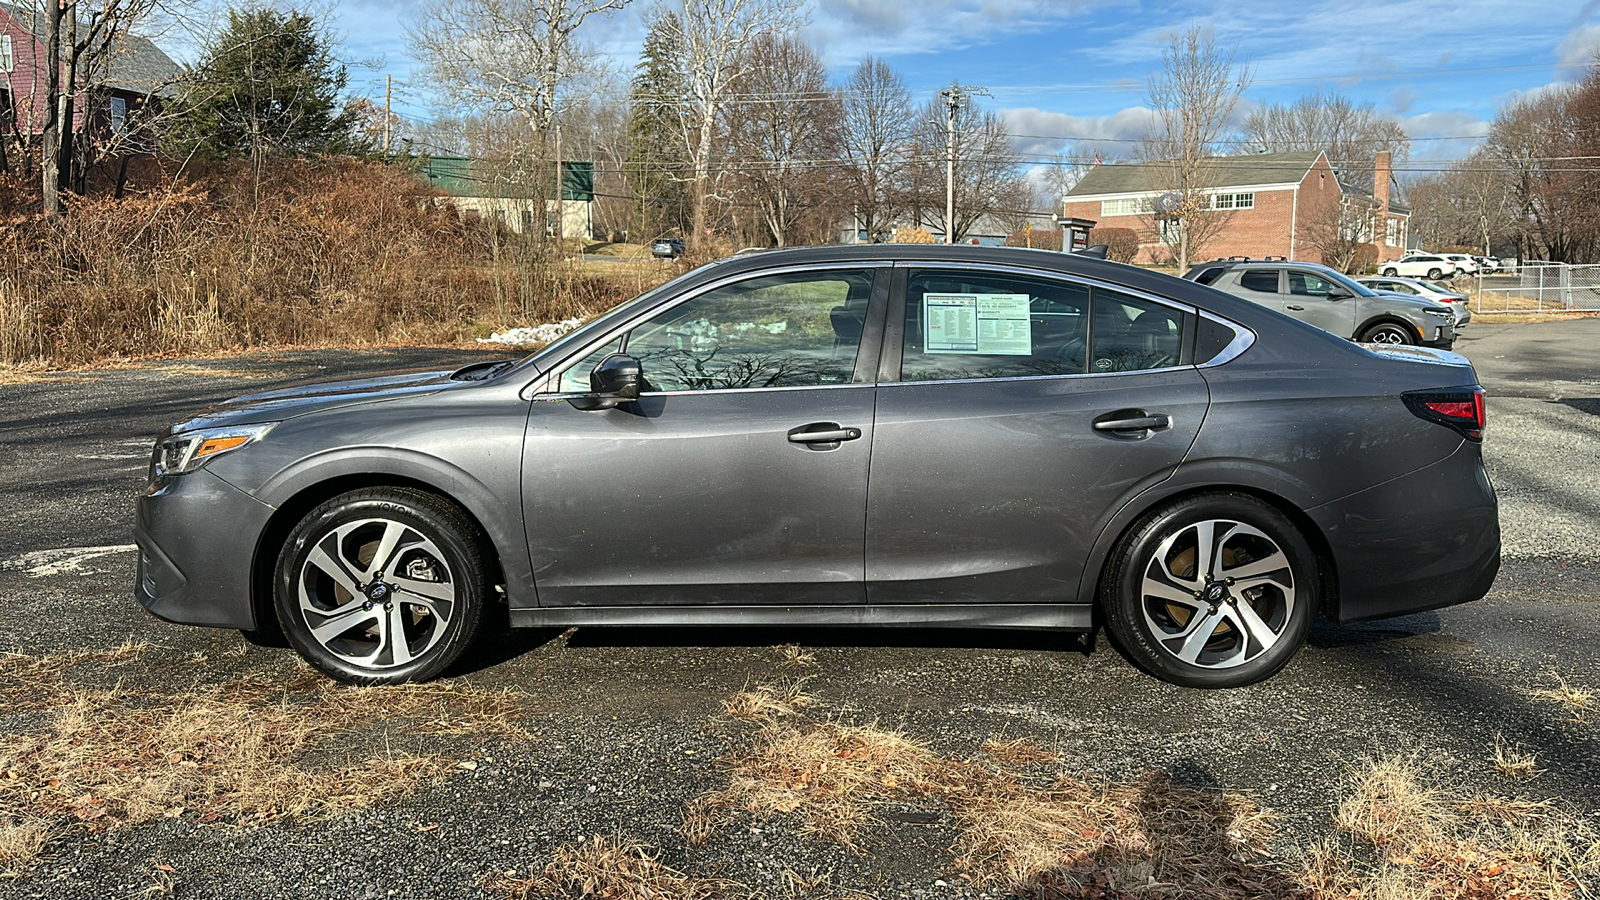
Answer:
x=1295 y=308
x=823 y=435
x=1134 y=422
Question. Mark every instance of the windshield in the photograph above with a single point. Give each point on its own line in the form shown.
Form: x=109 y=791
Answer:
x=1356 y=287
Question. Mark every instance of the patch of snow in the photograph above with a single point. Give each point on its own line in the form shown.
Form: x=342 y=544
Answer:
x=538 y=334
x=64 y=561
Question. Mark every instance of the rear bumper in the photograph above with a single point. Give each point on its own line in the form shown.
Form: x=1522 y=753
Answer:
x=196 y=536
x=1422 y=541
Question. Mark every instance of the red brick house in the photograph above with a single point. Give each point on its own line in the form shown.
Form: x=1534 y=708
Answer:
x=1268 y=204
x=136 y=73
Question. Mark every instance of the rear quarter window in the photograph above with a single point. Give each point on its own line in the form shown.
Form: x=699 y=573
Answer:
x=1209 y=275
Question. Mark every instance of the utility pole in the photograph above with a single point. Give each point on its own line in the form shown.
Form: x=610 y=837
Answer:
x=388 y=97
x=955 y=96
x=952 y=102
x=560 y=206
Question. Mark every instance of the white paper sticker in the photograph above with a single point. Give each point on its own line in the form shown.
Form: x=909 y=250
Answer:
x=988 y=324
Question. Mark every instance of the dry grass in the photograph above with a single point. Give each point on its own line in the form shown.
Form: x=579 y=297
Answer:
x=614 y=868
x=1434 y=845
x=769 y=702
x=333 y=253
x=1058 y=835
x=1576 y=700
x=792 y=657
x=1058 y=838
x=1514 y=763
x=245 y=750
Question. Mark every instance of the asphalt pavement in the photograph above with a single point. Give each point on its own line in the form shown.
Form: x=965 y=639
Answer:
x=626 y=723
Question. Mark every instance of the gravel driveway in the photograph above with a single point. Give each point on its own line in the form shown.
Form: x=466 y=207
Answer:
x=618 y=730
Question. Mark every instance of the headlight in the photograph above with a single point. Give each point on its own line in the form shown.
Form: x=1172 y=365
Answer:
x=190 y=450
x=1441 y=313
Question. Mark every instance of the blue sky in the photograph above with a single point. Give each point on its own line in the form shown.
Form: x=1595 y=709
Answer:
x=1074 y=71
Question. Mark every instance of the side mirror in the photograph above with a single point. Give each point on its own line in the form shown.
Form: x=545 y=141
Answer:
x=615 y=380
x=1339 y=294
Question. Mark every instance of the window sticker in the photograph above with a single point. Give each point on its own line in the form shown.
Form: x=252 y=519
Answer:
x=990 y=324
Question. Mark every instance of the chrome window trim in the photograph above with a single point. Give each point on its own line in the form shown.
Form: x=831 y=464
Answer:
x=1058 y=276
x=1243 y=339
x=539 y=385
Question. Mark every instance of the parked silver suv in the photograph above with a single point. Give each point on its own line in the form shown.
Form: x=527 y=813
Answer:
x=1331 y=300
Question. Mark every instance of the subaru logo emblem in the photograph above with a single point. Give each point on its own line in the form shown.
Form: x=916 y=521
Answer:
x=378 y=592
x=1215 y=593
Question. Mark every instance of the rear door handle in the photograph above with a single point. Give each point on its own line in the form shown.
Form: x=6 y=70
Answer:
x=818 y=434
x=1134 y=423
x=1295 y=308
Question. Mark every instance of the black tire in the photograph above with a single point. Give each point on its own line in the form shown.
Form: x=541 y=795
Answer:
x=1150 y=629
x=437 y=549
x=1433 y=274
x=1387 y=333
x=1390 y=272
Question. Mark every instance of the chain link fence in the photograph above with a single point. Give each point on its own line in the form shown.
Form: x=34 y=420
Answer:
x=1540 y=287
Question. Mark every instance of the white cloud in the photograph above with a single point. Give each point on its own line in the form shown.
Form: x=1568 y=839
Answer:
x=844 y=31
x=1578 y=50
x=1040 y=133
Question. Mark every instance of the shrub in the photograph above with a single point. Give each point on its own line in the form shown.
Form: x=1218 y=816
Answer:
x=1122 y=244
x=1039 y=239
x=342 y=251
x=912 y=236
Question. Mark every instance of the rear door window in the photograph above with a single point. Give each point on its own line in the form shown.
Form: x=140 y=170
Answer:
x=962 y=325
x=1263 y=281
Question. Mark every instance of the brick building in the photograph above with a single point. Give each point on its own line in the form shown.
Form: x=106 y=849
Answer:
x=1268 y=204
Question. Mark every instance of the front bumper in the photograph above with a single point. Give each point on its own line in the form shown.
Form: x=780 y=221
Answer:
x=1421 y=541
x=197 y=538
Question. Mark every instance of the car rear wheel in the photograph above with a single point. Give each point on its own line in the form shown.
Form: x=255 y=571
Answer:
x=382 y=586
x=1434 y=273
x=1388 y=333
x=1217 y=590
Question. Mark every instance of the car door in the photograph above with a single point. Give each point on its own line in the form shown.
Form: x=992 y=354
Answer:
x=1016 y=412
x=1263 y=286
x=740 y=474
x=1310 y=299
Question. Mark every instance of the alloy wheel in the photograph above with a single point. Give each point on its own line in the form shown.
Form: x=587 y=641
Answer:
x=1218 y=593
x=376 y=593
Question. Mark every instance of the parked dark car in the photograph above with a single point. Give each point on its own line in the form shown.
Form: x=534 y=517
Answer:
x=1331 y=300
x=667 y=248
x=1054 y=442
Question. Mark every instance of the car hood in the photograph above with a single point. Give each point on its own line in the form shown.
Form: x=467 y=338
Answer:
x=1392 y=297
x=298 y=400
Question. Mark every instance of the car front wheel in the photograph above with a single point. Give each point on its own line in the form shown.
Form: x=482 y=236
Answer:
x=1217 y=590
x=382 y=586
x=1390 y=272
x=1388 y=333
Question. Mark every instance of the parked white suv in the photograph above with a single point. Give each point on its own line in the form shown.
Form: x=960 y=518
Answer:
x=1465 y=265
x=1420 y=265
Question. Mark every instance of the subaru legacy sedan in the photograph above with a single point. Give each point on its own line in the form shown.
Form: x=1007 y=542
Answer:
x=889 y=435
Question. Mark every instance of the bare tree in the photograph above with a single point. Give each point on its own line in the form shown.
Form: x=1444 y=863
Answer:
x=1337 y=229
x=988 y=177
x=1352 y=134
x=777 y=144
x=712 y=36
x=878 y=123
x=1193 y=98
x=1057 y=177
x=510 y=56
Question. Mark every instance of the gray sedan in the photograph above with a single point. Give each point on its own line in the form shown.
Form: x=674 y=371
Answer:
x=884 y=435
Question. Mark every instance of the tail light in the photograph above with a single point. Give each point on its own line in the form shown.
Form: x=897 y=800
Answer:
x=1461 y=409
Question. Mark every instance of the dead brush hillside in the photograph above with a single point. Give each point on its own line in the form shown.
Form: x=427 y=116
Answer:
x=337 y=252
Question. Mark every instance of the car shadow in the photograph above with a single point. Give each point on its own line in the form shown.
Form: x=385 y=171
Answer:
x=817 y=636
x=1326 y=635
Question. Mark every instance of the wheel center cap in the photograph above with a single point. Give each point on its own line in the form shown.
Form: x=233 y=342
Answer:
x=377 y=592
x=1216 y=592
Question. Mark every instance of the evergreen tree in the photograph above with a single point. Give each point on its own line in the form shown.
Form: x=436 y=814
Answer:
x=654 y=130
x=268 y=85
